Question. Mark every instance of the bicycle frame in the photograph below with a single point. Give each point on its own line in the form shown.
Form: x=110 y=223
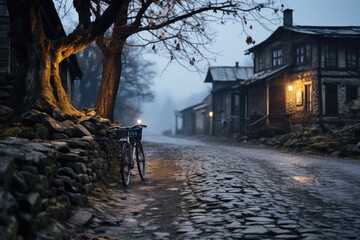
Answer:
x=131 y=151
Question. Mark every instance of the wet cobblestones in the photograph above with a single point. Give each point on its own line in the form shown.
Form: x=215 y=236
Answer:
x=225 y=195
x=216 y=192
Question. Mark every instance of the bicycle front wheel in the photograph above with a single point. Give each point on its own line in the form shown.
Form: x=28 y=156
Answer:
x=140 y=160
x=125 y=164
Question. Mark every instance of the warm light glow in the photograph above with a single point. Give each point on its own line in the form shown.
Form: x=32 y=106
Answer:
x=139 y=121
x=290 y=87
x=211 y=114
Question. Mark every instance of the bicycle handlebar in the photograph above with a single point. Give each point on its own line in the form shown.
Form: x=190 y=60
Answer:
x=129 y=127
x=137 y=125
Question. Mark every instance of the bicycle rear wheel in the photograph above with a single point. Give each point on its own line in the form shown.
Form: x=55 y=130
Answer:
x=140 y=160
x=125 y=164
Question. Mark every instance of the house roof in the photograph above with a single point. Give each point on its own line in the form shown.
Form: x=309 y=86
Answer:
x=227 y=73
x=267 y=74
x=320 y=31
x=191 y=107
x=200 y=107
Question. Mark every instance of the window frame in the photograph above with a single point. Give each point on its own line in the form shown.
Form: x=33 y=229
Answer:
x=260 y=61
x=277 y=57
x=308 y=106
x=349 y=95
x=352 y=51
x=303 y=53
x=331 y=55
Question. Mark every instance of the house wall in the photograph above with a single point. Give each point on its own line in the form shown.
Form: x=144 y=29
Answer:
x=257 y=96
x=200 y=121
x=6 y=81
x=296 y=100
x=225 y=123
x=220 y=109
x=188 y=122
x=4 y=40
x=312 y=73
x=343 y=105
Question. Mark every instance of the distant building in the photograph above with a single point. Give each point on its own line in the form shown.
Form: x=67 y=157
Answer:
x=221 y=112
x=228 y=99
x=196 y=119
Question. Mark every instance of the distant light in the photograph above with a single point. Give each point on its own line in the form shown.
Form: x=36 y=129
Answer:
x=290 y=88
x=211 y=114
x=139 y=121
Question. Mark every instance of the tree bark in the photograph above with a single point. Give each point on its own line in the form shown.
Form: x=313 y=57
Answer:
x=43 y=87
x=105 y=101
x=112 y=64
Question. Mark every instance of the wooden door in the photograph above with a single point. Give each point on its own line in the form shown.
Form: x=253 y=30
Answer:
x=331 y=99
x=276 y=99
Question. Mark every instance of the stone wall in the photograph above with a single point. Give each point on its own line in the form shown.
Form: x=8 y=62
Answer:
x=49 y=167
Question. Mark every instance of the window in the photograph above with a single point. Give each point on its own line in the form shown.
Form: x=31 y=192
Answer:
x=303 y=54
x=277 y=57
x=331 y=55
x=351 y=93
x=352 y=57
x=260 y=61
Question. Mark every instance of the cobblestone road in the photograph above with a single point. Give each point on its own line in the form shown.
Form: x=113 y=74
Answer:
x=207 y=191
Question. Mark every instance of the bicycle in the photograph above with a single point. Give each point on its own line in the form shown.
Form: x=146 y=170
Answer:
x=131 y=151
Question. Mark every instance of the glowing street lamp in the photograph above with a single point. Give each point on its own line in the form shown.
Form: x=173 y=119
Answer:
x=139 y=121
x=211 y=114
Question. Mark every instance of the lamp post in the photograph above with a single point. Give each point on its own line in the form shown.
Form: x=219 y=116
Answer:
x=211 y=116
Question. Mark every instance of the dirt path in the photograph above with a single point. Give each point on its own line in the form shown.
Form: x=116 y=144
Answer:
x=143 y=210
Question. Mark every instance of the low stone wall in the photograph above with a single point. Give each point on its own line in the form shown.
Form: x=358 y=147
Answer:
x=47 y=169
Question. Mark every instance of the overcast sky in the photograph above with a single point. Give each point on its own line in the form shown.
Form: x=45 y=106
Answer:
x=177 y=88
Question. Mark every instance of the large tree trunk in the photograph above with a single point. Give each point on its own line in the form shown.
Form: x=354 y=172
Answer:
x=43 y=88
x=112 y=64
x=105 y=101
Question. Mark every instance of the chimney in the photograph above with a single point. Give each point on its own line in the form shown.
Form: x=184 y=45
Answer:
x=288 y=18
x=236 y=64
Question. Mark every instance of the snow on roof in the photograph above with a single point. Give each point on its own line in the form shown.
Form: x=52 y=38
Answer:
x=227 y=73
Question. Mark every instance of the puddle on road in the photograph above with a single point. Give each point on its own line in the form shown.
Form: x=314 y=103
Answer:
x=305 y=179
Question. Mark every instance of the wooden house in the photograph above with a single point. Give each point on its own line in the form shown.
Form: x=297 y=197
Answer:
x=196 y=119
x=228 y=99
x=69 y=68
x=305 y=75
x=188 y=116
